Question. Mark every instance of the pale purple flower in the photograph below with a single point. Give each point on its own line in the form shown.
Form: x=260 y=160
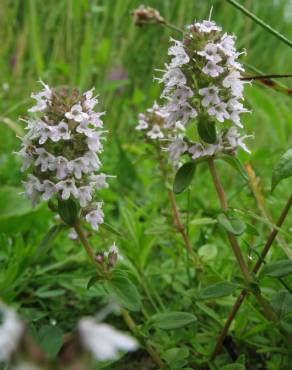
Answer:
x=210 y=95
x=48 y=189
x=103 y=341
x=212 y=69
x=76 y=113
x=11 y=330
x=210 y=52
x=67 y=188
x=95 y=216
x=207 y=26
x=43 y=99
x=44 y=159
x=219 y=111
x=155 y=133
x=84 y=195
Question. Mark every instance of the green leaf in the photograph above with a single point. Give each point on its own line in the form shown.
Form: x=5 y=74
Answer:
x=282 y=303
x=125 y=292
x=172 y=320
x=233 y=367
x=207 y=131
x=251 y=230
x=68 y=211
x=283 y=169
x=208 y=252
x=235 y=163
x=183 y=177
x=12 y=203
x=93 y=280
x=231 y=224
x=47 y=240
x=176 y=358
x=277 y=269
x=217 y=290
x=50 y=340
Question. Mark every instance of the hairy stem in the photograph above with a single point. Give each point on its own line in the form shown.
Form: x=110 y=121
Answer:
x=268 y=311
x=126 y=315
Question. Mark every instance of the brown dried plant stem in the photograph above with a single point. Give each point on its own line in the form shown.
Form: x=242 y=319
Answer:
x=257 y=266
x=267 y=310
x=126 y=315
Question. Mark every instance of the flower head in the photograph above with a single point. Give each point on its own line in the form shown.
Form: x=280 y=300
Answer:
x=61 y=150
x=11 y=329
x=202 y=87
x=103 y=341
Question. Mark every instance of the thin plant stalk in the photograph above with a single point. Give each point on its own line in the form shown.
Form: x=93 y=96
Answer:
x=261 y=22
x=126 y=315
x=268 y=311
x=257 y=266
x=259 y=198
x=176 y=216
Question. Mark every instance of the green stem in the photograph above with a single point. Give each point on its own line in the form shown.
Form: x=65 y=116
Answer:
x=257 y=266
x=126 y=315
x=260 y=22
x=268 y=311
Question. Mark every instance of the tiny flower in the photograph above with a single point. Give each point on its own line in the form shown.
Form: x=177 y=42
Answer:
x=179 y=53
x=48 y=189
x=235 y=140
x=43 y=99
x=60 y=132
x=155 y=133
x=67 y=188
x=95 y=216
x=143 y=124
x=44 y=159
x=219 y=111
x=212 y=69
x=103 y=341
x=11 y=330
x=99 y=181
x=177 y=148
x=207 y=27
x=210 y=52
x=197 y=150
x=210 y=95
x=76 y=113
x=84 y=195
x=94 y=142
x=73 y=235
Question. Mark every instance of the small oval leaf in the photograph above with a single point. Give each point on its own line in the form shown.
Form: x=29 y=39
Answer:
x=231 y=224
x=50 y=340
x=172 y=320
x=68 y=211
x=282 y=303
x=124 y=292
x=207 y=131
x=183 y=177
x=217 y=290
x=277 y=269
x=283 y=169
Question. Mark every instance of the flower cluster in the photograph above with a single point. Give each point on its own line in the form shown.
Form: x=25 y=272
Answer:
x=152 y=123
x=103 y=341
x=61 y=150
x=202 y=84
x=11 y=329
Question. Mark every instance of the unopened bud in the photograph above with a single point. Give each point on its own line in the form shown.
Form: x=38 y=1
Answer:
x=145 y=15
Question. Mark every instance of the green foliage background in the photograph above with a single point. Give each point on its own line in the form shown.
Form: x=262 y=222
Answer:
x=86 y=43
